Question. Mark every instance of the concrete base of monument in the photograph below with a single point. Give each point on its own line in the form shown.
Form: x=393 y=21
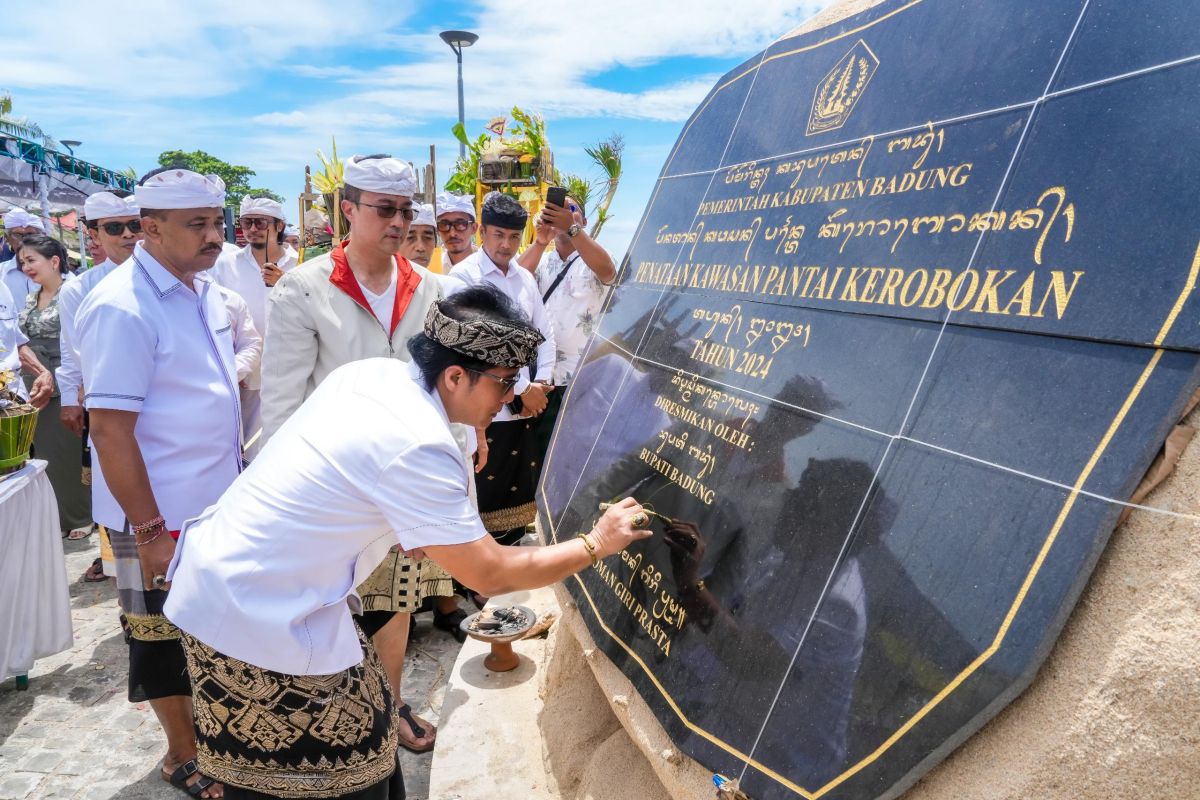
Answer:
x=553 y=727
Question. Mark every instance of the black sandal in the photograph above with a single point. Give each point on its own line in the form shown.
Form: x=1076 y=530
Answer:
x=95 y=573
x=405 y=713
x=179 y=778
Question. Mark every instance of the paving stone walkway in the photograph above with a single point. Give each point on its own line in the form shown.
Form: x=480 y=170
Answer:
x=73 y=735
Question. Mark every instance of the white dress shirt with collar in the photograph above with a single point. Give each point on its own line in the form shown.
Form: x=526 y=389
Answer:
x=10 y=339
x=239 y=272
x=521 y=287
x=68 y=376
x=151 y=345
x=18 y=283
x=267 y=575
x=247 y=342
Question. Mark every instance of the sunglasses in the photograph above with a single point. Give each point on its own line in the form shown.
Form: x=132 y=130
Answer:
x=387 y=212
x=117 y=228
x=444 y=225
x=256 y=222
x=508 y=383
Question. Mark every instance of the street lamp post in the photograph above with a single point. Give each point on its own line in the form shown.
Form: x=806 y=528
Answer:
x=457 y=41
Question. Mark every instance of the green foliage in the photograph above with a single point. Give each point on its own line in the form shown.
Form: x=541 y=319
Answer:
x=607 y=155
x=466 y=170
x=264 y=193
x=577 y=187
x=529 y=134
x=236 y=177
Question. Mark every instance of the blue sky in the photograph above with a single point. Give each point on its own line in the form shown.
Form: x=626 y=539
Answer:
x=266 y=86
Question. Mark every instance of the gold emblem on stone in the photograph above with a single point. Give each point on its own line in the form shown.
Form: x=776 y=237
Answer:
x=840 y=89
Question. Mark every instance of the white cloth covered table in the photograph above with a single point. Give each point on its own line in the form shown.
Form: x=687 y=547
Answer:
x=35 y=605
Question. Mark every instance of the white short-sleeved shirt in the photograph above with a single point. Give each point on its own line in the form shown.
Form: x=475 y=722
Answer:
x=267 y=575
x=151 y=345
x=574 y=308
x=70 y=296
x=521 y=287
x=18 y=283
x=10 y=339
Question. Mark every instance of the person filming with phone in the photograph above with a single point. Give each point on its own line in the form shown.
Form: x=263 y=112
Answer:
x=574 y=274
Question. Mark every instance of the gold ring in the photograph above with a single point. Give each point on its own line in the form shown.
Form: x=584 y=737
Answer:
x=639 y=520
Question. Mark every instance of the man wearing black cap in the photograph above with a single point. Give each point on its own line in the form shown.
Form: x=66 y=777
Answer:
x=508 y=481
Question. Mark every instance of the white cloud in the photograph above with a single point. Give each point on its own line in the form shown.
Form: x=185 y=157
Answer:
x=547 y=64
x=151 y=49
x=154 y=75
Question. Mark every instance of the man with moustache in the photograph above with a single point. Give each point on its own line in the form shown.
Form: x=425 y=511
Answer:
x=251 y=272
x=160 y=386
x=361 y=300
x=508 y=480
x=113 y=221
x=456 y=226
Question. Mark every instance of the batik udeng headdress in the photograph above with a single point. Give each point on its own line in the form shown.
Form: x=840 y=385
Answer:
x=495 y=342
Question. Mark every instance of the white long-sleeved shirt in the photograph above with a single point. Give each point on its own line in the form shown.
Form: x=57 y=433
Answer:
x=68 y=375
x=521 y=287
x=238 y=271
x=247 y=343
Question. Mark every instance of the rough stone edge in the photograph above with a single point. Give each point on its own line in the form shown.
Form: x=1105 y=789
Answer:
x=834 y=12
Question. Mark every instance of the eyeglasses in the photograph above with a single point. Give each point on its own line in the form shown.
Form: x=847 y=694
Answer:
x=444 y=225
x=387 y=212
x=117 y=228
x=256 y=222
x=508 y=383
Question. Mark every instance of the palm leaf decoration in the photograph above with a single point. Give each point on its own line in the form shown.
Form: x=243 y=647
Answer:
x=607 y=155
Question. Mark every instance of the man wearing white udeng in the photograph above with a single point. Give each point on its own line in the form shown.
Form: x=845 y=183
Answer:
x=290 y=699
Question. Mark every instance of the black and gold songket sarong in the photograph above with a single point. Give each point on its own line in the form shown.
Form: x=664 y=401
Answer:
x=508 y=481
x=156 y=664
x=292 y=736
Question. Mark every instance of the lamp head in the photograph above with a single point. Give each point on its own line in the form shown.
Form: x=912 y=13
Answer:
x=459 y=39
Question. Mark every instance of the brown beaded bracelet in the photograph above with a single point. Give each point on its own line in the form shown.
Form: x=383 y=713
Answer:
x=146 y=527
x=143 y=543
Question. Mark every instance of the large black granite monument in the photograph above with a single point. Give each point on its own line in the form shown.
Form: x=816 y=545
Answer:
x=912 y=303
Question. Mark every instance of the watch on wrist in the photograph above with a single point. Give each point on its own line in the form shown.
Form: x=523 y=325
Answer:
x=574 y=229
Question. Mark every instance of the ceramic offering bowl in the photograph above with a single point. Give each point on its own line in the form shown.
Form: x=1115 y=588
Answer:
x=499 y=627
